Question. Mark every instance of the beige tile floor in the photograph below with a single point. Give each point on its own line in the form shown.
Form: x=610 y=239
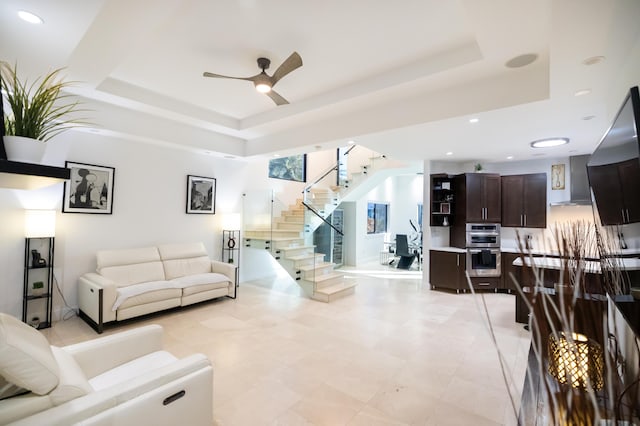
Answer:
x=394 y=353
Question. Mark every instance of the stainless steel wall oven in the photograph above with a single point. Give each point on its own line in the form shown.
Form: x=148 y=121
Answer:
x=483 y=249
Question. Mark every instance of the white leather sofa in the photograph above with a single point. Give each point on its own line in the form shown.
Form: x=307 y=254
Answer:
x=133 y=282
x=117 y=380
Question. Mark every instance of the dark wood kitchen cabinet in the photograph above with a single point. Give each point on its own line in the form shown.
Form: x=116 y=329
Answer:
x=524 y=200
x=477 y=198
x=447 y=270
x=509 y=270
x=480 y=196
x=614 y=186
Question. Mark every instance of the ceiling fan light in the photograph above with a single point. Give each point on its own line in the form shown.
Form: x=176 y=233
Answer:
x=263 y=87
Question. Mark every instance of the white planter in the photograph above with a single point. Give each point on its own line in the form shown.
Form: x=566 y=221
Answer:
x=23 y=149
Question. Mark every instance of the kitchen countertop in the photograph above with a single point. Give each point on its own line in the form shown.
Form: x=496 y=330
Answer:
x=590 y=266
x=449 y=249
x=536 y=252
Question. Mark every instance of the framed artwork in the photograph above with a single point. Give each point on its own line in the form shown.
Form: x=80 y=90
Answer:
x=445 y=208
x=201 y=195
x=557 y=176
x=89 y=189
x=376 y=218
x=289 y=168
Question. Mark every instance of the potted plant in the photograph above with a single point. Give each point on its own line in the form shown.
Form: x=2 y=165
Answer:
x=36 y=112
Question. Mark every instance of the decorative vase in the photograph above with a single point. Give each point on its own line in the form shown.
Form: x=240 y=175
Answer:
x=25 y=150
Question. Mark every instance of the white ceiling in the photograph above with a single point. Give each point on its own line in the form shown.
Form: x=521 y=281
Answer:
x=400 y=77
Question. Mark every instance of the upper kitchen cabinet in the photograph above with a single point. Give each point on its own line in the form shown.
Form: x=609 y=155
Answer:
x=614 y=187
x=478 y=198
x=524 y=200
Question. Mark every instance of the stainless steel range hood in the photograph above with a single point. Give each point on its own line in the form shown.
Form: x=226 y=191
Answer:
x=580 y=193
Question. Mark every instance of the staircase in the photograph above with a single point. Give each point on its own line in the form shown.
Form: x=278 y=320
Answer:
x=289 y=237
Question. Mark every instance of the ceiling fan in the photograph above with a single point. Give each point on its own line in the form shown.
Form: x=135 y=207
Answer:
x=263 y=81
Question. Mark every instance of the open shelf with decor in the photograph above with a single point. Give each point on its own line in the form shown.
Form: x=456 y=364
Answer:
x=442 y=199
x=37 y=301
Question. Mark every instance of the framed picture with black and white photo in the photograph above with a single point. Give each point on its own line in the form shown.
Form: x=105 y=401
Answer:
x=201 y=195
x=89 y=189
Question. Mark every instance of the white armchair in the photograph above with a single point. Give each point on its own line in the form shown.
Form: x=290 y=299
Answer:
x=121 y=379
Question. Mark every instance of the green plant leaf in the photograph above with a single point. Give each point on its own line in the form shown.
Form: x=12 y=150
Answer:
x=39 y=110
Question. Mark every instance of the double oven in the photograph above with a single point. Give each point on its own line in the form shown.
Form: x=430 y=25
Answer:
x=483 y=249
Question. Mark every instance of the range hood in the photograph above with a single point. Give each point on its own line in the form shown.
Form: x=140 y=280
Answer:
x=580 y=193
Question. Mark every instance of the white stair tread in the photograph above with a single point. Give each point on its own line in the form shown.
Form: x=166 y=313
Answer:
x=325 y=277
x=307 y=268
x=296 y=247
x=305 y=256
x=333 y=289
x=275 y=239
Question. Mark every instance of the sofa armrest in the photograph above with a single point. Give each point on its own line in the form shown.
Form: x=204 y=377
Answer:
x=102 y=354
x=227 y=269
x=146 y=399
x=89 y=286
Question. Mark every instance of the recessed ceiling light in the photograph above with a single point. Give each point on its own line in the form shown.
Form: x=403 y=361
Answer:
x=474 y=120
x=230 y=157
x=593 y=60
x=588 y=117
x=510 y=157
x=582 y=92
x=549 y=142
x=351 y=142
x=449 y=153
x=276 y=155
x=521 y=61
x=29 y=17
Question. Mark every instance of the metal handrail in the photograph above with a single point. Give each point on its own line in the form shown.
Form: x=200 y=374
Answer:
x=322 y=218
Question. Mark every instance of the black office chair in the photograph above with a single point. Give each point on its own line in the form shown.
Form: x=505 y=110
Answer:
x=402 y=250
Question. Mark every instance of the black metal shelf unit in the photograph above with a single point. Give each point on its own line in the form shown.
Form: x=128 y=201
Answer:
x=37 y=300
x=231 y=250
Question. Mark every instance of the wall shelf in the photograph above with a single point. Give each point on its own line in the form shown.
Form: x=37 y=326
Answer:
x=17 y=175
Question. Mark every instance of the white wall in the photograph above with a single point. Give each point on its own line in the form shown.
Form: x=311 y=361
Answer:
x=148 y=208
x=402 y=193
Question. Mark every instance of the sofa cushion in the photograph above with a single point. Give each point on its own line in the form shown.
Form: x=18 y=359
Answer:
x=131 y=369
x=127 y=275
x=8 y=389
x=73 y=383
x=26 y=359
x=181 y=251
x=139 y=294
x=201 y=282
x=130 y=266
x=107 y=258
x=177 y=268
x=184 y=259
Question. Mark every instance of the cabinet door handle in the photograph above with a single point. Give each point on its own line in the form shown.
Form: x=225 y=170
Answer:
x=623 y=219
x=627 y=210
x=525 y=219
x=458 y=260
x=521 y=221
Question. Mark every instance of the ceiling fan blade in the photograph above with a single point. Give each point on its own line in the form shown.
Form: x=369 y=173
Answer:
x=210 y=74
x=293 y=62
x=279 y=100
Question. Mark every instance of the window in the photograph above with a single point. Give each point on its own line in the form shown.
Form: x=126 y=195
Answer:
x=376 y=218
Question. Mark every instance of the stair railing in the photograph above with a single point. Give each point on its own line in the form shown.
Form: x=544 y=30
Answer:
x=259 y=212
